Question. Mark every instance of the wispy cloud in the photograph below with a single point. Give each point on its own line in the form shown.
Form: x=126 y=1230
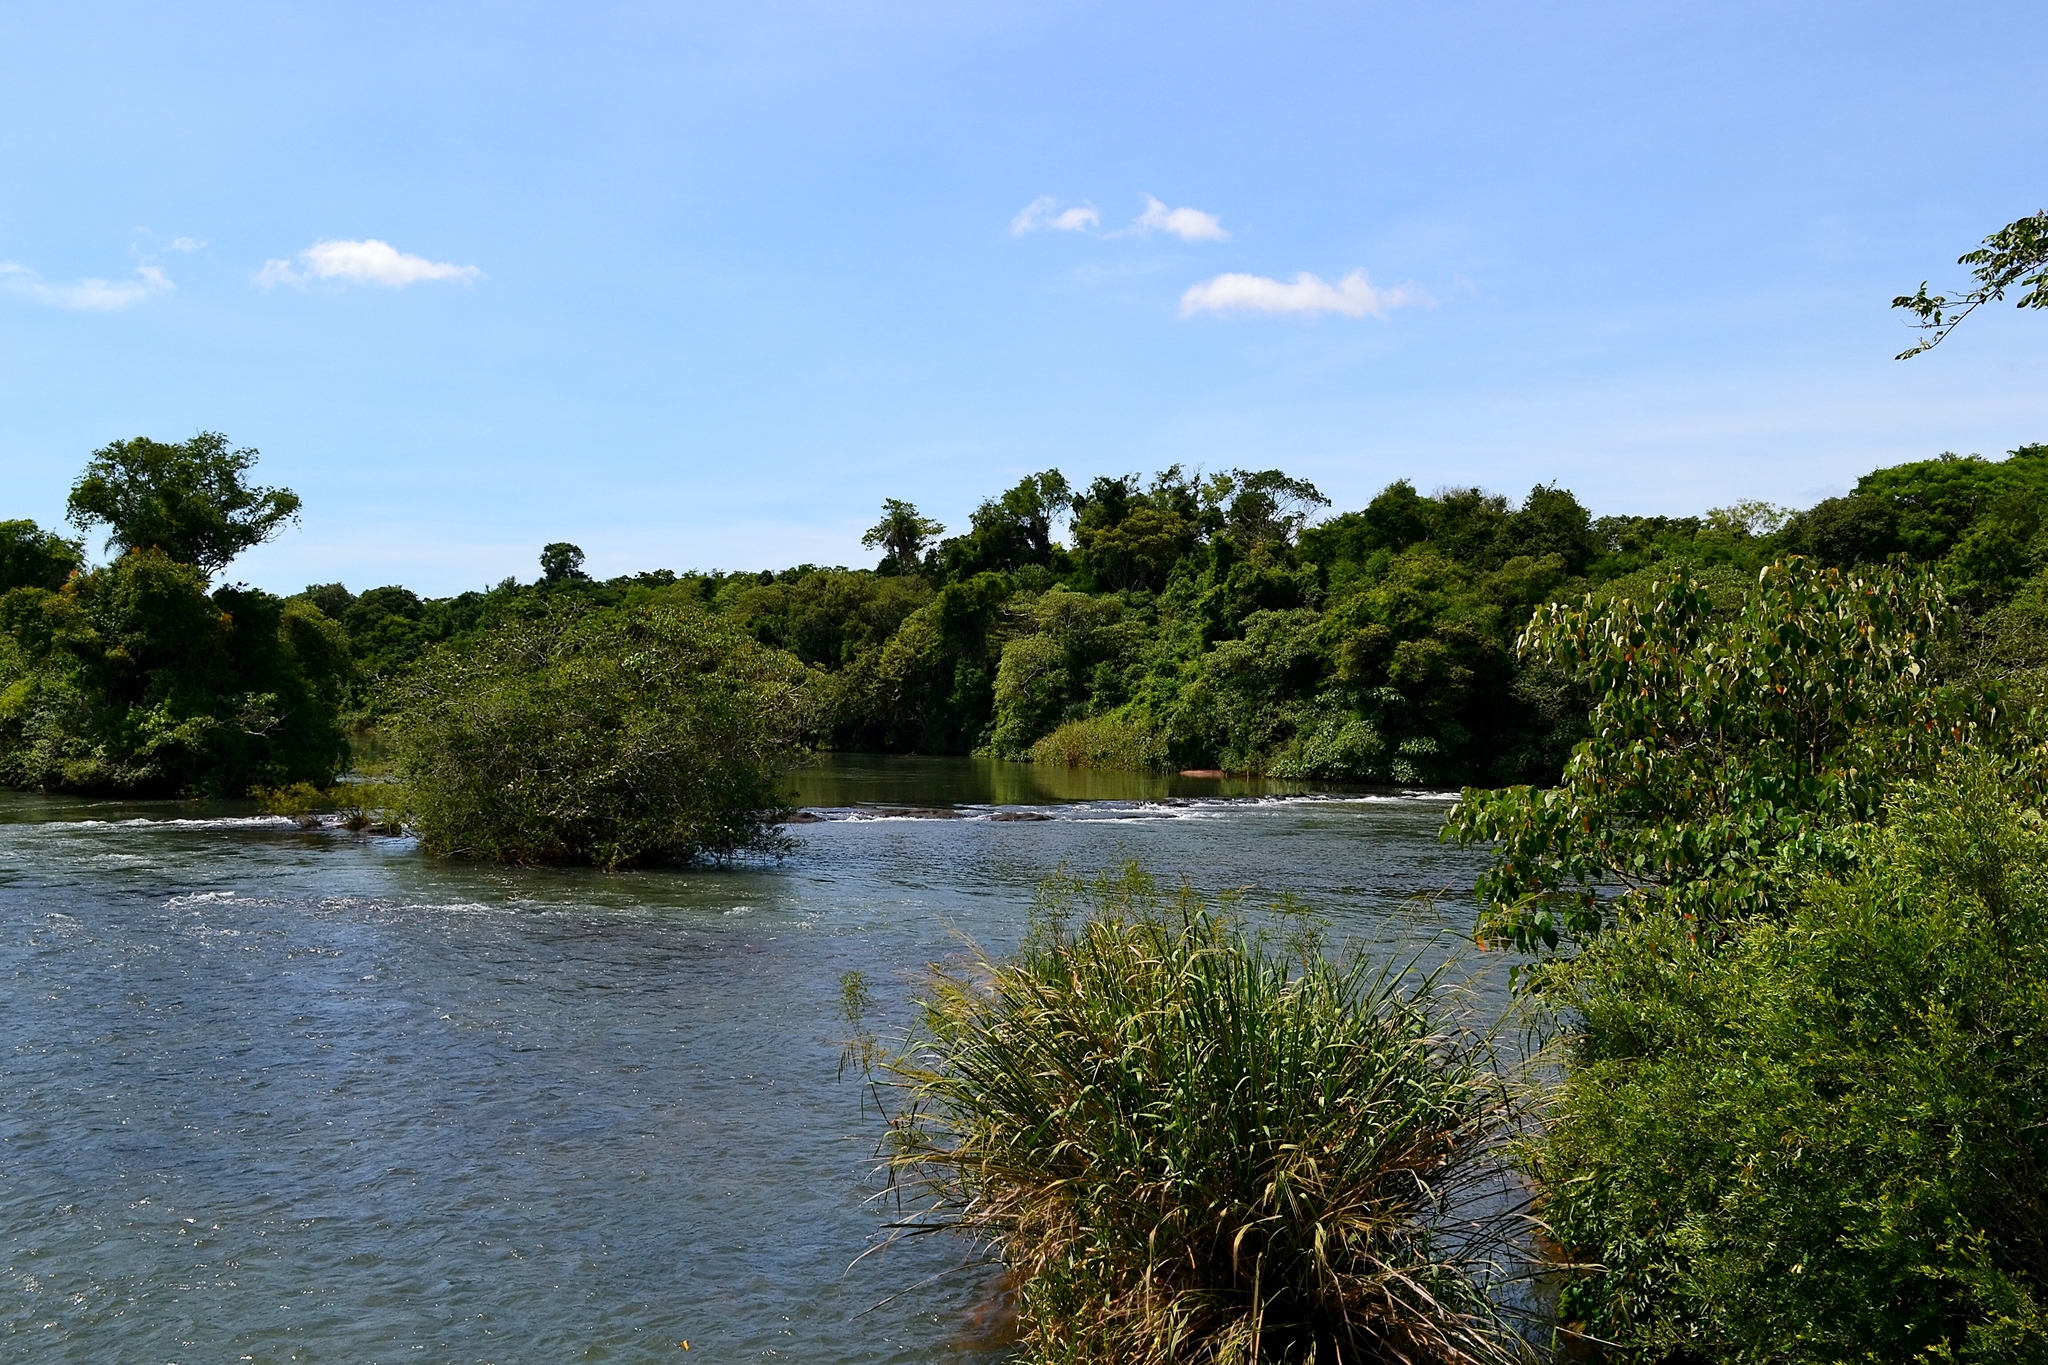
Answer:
x=1354 y=296
x=186 y=244
x=1045 y=212
x=88 y=295
x=366 y=262
x=1190 y=225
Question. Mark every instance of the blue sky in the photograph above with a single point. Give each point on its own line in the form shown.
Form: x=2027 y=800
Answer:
x=699 y=286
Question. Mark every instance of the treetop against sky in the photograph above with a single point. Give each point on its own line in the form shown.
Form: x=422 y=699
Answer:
x=701 y=287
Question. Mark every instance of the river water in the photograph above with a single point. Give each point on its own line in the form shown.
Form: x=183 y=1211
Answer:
x=275 y=1094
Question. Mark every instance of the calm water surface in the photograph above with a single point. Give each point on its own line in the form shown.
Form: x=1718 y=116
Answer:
x=270 y=1094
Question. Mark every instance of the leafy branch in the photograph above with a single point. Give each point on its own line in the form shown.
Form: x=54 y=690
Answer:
x=2002 y=263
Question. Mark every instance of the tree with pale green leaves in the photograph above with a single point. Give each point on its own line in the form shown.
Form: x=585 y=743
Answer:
x=901 y=535
x=1721 y=742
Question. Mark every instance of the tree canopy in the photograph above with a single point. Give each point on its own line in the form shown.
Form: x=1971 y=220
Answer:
x=31 y=557
x=616 y=737
x=561 y=562
x=139 y=677
x=189 y=499
x=1718 y=740
x=901 y=535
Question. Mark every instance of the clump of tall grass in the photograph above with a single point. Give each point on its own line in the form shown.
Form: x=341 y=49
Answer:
x=1188 y=1144
x=371 y=807
x=361 y=807
x=1106 y=741
x=299 y=801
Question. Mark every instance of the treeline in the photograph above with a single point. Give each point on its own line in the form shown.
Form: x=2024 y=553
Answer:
x=1190 y=624
x=141 y=676
x=1187 y=622
x=1175 y=621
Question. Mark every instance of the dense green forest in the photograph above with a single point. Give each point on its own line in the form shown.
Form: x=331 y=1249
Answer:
x=141 y=675
x=1179 y=621
x=1188 y=622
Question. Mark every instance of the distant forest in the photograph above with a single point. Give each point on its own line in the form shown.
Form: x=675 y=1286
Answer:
x=1181 y=621
x=1228 y=622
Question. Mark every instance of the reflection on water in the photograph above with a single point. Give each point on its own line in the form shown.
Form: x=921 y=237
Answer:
x=289 y=1094
x=875 y=779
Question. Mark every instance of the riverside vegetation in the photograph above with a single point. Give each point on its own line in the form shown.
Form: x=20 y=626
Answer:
x=1190 y=623
x=1773 y=865
x=1762 y=793
x=1188 y=1142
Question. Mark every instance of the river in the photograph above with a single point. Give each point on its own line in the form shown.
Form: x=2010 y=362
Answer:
x=276 y=1094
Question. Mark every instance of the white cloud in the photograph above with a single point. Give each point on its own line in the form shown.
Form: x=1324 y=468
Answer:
x=366 y=262
x=1045 y=212
x=1190 y=225
x=90 y=295
x=1354 y=296
x=186 y=244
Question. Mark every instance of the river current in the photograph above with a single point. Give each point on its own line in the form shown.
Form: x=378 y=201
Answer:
x=273 y=1094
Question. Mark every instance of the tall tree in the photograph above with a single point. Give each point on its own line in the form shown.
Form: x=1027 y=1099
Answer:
x=2015 y=256
x=561 y=562
x=901 y=535
x=190 y=499
x=1265 y=505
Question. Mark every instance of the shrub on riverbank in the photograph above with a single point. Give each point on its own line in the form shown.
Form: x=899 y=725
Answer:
x=1805 y=1087
x=1188 y=1146
x=1110 y=741
x=1723 y=739
x=1827 y=1140
x=616 y=738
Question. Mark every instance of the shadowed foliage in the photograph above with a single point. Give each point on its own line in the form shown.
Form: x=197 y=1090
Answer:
x=1825 y=1139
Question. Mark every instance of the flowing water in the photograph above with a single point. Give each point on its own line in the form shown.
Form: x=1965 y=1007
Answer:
x=275 y=1094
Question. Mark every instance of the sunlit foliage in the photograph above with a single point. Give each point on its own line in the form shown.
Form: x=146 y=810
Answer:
x=615 y=737
x=1825 y=1139
x=1720 y=741
x=1188 y=1144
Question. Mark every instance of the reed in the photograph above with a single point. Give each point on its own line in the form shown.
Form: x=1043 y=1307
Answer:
x=1190 y=1144
x=1110 y=741
x=300 y=801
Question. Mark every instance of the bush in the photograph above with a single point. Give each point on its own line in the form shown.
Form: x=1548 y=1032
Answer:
x=1826 y=1140
x=1720 y=740
x=299 y=802
x=616 y=738
x=1190 y=1147
x=371 y=807
x=1113 y=741
x=1332 y=743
